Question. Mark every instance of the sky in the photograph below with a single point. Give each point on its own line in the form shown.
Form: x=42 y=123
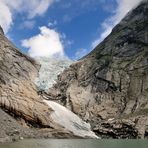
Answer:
x=62 y=28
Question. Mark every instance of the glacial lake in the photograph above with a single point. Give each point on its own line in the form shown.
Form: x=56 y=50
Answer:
x=77 y=144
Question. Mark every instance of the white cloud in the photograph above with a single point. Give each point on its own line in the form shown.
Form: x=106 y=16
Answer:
x=37 y=7
x=80 y=53
x=66 y=5
x=46 y=43
x=30 y=9
x=5 y=16
x=52 y=24
x=123 y=7
x=29 y=24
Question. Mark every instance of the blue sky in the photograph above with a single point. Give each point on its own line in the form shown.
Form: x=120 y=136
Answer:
x=69 y=28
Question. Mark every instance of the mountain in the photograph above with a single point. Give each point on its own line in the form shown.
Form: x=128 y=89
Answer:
x=18 y=93
x=109 y=87
x=50 y=68
x=104 y=94
x=24 y=112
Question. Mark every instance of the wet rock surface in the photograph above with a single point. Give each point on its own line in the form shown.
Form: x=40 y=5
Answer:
x=111 y=83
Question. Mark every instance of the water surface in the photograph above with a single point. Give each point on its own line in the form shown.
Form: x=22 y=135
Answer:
x=77 y=144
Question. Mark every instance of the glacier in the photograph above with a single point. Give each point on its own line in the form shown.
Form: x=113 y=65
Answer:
x=51 y=67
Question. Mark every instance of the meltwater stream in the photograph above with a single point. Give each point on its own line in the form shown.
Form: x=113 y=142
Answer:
x=59 y=143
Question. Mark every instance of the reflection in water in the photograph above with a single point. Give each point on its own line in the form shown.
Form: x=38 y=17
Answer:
x=77 y=144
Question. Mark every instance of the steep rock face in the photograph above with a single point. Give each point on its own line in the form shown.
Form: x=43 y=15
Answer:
x=109 y=87
x=18 y=93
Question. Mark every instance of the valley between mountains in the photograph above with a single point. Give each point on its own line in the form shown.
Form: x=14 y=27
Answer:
x=102 y=95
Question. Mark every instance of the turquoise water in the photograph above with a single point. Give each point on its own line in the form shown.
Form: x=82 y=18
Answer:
x=77 y=144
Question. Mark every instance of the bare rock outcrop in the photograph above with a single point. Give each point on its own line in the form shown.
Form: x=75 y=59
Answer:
x=109 y=87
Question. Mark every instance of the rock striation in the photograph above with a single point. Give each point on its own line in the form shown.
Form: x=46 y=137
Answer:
x=109 y=87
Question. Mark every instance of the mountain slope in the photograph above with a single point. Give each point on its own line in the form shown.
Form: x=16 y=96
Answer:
x=109 y=87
